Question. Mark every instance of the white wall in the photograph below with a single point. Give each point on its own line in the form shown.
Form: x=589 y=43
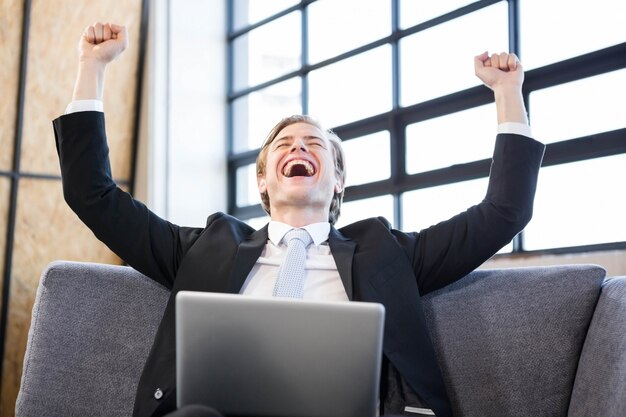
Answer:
x=182 y=158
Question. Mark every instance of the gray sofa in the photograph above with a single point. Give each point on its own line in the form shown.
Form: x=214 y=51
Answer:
x=541 y=341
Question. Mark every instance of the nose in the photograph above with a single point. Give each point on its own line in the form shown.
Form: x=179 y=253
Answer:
x=298 y=144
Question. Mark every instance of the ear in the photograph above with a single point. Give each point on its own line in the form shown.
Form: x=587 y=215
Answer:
x=338 y=187
x=260 y=180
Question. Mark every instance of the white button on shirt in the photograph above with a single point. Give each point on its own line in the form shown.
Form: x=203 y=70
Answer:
x=321 y=279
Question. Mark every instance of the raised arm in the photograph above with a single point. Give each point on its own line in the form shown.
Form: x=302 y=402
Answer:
x=148 y=243
x=451 y=249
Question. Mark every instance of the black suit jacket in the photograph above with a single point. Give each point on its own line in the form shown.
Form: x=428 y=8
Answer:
x=376 y=263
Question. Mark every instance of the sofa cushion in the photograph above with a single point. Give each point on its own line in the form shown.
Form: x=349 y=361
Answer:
x=600 y=387
x=508 y=340
x=92 y=327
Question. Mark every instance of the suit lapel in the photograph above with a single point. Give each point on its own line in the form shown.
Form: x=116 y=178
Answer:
x=247 y=254
x=342 y=250
x=250 y=249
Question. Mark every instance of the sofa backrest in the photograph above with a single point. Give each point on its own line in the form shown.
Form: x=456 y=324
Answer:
x=92 y=327
x=508 y=340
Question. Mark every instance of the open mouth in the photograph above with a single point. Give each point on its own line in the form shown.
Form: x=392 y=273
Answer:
x=298 y=168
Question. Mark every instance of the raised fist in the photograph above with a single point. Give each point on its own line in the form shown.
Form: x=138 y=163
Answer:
x=102 y=42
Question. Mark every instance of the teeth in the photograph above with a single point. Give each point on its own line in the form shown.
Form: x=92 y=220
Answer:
x=306 y=164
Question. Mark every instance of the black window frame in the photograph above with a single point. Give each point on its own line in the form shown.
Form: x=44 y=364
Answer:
x=398 y=118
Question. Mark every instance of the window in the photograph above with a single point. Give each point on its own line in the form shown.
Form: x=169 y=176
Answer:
x=394 y=79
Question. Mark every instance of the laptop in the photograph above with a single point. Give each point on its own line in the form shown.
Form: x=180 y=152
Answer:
x=273 y=357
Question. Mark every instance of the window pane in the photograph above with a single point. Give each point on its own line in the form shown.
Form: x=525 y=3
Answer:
x=580 y=108
x=367 y=158
x=362 y=209
x=429 y=206
x=258 y=222
x=440 y=60
x=559 y=29
x=413 y=12
x=247 y=190
x=352 y=89
x=452 y=139
x=335 y=27
x=249 y=12
x=581 y=203
x=255 y=114
x=266 y=52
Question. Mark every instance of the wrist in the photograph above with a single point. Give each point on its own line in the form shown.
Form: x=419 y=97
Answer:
x=507 y=91
x=510 y=104
x=91 y=65
x=90 y=80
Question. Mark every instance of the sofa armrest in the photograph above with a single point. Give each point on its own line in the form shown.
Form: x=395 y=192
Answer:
x=92 y=327
x=600 y=385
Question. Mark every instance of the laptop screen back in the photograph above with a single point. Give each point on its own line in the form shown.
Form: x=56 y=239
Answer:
x=249 y=356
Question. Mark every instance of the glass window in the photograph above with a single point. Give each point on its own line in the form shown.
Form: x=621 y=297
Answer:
x=581 y=203
x=338 y=26
x=267 y=52
x=256 y=113
x=452 y=139
x=440 y=60
x=429 y=206
x=277 y=72
x=247 y=12
x=367 y=158
x=559 y=29
x=258 y=222
x=579 y=108
x=413 y=12
x=354 y=211
x=247 y=189
x=352 y=89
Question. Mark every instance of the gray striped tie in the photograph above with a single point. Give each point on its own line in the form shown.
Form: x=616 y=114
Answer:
x=290 y=282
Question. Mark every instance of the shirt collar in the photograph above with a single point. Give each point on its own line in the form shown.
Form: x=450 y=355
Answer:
x=318 y=231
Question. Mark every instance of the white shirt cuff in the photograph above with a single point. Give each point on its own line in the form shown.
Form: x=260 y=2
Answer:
x=84 y=105
x=515 y=129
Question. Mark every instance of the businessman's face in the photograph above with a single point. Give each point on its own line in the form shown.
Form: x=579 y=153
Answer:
x=300 y=171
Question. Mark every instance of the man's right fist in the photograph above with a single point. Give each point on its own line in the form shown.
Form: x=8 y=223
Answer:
x=102 y=42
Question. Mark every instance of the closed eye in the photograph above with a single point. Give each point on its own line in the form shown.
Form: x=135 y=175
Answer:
x=317 y=143
x=281 y=143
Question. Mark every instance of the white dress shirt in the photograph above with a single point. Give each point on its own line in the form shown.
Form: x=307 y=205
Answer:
x=321 y=278
x=84 y=105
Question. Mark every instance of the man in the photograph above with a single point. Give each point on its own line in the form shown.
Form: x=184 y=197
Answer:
x=301 y=180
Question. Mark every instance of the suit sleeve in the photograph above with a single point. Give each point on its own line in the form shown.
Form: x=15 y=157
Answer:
x=445 y=252
x=142 y=239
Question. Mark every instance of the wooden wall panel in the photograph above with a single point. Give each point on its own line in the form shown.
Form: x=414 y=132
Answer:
x=55 y=29
x=11 y=12
x=5 y=189
x=46 y=230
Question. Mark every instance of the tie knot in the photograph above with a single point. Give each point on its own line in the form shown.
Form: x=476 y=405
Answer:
x=299 y=234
